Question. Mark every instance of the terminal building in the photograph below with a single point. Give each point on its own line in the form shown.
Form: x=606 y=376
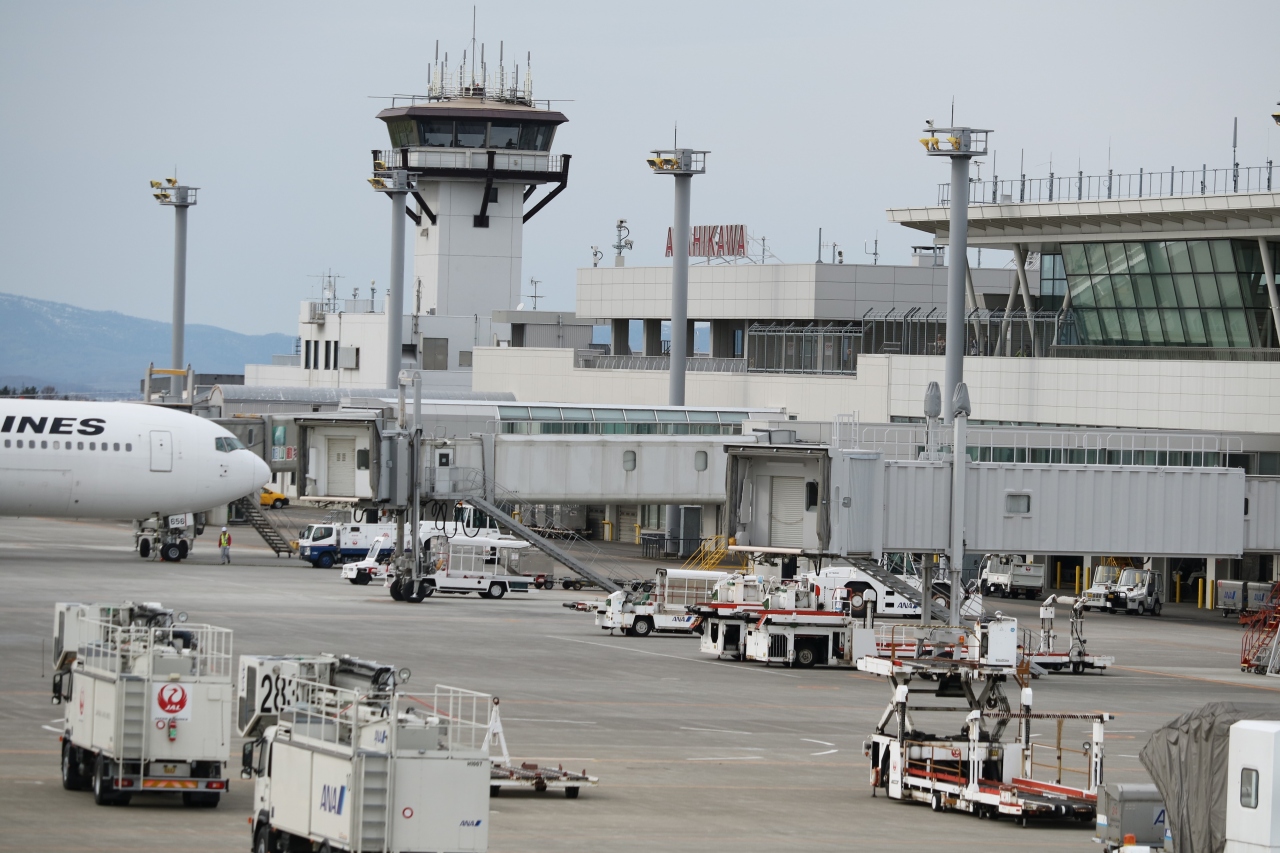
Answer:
x=1137 y=326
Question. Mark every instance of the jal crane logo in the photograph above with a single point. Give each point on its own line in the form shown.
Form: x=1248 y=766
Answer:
x=172 y=699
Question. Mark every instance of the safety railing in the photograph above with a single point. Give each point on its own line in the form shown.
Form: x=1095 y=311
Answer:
x=514 y=160
x=1059 y=756
x=1166 y=353
x=195 y=651
x=692 y=364
x=1158 y=183
x=447 y=719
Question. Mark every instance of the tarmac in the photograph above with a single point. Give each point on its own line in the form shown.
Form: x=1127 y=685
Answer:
x=692 y=752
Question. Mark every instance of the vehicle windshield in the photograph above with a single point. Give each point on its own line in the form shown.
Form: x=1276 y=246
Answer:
x=1105 y=574
x=374 y=549
x=1130 y=577
x=315 y=533
x=305 y=533
x=226 y=444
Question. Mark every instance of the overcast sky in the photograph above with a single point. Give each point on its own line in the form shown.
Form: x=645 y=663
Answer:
x=811 y=112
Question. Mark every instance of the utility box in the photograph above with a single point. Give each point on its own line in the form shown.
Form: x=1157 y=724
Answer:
x=1128 y=808
x=1253 y=795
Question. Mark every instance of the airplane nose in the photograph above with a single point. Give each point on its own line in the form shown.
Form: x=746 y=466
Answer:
x=261 y=473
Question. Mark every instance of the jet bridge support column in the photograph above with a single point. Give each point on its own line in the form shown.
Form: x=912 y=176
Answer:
x=959 y=461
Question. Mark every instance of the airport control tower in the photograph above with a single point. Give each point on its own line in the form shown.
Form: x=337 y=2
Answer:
x=476 y=148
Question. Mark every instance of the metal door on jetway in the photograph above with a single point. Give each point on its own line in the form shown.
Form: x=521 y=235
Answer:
x=161 y=450
x=340 y=472
x=786 y=512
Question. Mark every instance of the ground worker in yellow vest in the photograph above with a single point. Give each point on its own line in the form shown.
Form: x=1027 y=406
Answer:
x=224 y=545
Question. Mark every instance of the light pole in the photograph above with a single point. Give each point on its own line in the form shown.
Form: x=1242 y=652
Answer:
x=395 y=183
x=179 y=197
x=961 y=144
x=682 y=164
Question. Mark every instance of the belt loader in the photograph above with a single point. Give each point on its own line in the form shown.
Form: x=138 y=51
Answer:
x=343 y=760
x=972 y=767
x=147 y=702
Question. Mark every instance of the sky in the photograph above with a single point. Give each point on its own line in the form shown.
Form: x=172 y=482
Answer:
x=811 y=112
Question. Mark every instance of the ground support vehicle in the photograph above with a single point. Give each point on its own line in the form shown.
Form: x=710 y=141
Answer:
x=487 y=565
x=371 y=770
x=328 y=544
x=1104 y=578
x=505 y=774
x=1044 y=648
x=1139 y=591
x=374 y=565
x=270 y=497
x=146 y=699
x=169 y=537
x=1242 y=598
x=1008 y=575
x=806 y=638
x=975 y=769
x=665 y=608
x=735 y=602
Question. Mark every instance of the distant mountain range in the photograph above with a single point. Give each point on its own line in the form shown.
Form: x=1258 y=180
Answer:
x=79 y=351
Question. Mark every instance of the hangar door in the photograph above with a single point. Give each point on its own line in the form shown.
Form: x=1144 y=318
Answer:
x=786 y=512
x=340 y=473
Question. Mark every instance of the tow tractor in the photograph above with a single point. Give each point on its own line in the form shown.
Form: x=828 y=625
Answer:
x=1044 y=650
x=1008 y=575
x=147 y=702
x=1139 y=591
x=976 y=769
x=664 y=608
x=457 y=565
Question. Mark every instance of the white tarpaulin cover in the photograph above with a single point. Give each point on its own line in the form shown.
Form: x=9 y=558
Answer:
x=1187 y=759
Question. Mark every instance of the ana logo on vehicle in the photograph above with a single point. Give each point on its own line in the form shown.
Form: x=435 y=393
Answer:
x=332 y=798
x=170 y=700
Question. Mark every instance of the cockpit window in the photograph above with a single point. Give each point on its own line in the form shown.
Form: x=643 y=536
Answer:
x=227 y=444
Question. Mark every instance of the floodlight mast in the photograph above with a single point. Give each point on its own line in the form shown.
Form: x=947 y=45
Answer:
x=682 y=164
x=179 y=197
x=961 y=144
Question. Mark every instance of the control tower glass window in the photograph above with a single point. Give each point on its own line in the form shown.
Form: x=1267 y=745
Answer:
x=504 y=135
x=470 y=134
x=404 y=132
x=536 y=137
x=437 y=133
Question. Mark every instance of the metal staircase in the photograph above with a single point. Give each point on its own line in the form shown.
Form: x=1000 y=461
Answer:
x=374 y=802
x=711 y=555
x=259 y=521
x=133 y=719
x=561 y=544
x=899 y=586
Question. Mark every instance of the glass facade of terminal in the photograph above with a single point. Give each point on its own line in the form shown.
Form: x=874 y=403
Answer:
x=1181 y=293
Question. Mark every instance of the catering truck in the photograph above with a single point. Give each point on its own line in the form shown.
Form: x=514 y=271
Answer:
x=342 y=759
x=146 y=699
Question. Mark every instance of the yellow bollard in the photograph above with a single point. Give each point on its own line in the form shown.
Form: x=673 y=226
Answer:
x=1088 y=570
x=1208 y=596
x=607 y=528
x=1077 y=580
x=1200 y=595
x=637 y=534
x=1177 y=587
x=1057 y=584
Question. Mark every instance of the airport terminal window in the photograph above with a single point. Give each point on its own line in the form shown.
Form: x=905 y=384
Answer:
x=628 y=460
x=536 y=137
x=700 y=460
x=404 y=132
x=1206 y=293
x=1017 y=504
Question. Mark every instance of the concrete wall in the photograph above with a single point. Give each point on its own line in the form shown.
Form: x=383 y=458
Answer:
x=1231 y=396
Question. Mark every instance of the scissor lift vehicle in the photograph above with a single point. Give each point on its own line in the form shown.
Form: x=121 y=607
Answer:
x=976 y=769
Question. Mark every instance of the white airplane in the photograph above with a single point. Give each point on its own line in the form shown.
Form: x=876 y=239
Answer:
x=118 y=460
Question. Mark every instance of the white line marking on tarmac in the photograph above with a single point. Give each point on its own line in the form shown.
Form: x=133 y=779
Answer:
x=52 y=729
x=828 y=752
x=676 y=657
x=531 y=720
x=811 y=740
x=730 y=758
x=722 y=731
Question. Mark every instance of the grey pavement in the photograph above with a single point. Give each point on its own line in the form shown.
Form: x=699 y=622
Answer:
x=692 y=753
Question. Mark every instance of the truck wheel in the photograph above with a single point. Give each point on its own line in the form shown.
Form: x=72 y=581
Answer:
x=806 y=657
x=103 y=794
x=262 y=840
x=577 y=585
x=200 y=799
x=566 y=583
x=642 y=627
x=571 y=793
x=1004 y=592
x=183 y=549
x=1157 y=607
x=144 y=548
x=361 y=579
x=324 y=561
x=72 y=778
x=497 y=590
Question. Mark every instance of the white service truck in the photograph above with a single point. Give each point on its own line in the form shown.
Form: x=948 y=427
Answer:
x=664 y=608
x=1011 y=575
x=330 y=543
x=343 y=760
x=146 y=697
